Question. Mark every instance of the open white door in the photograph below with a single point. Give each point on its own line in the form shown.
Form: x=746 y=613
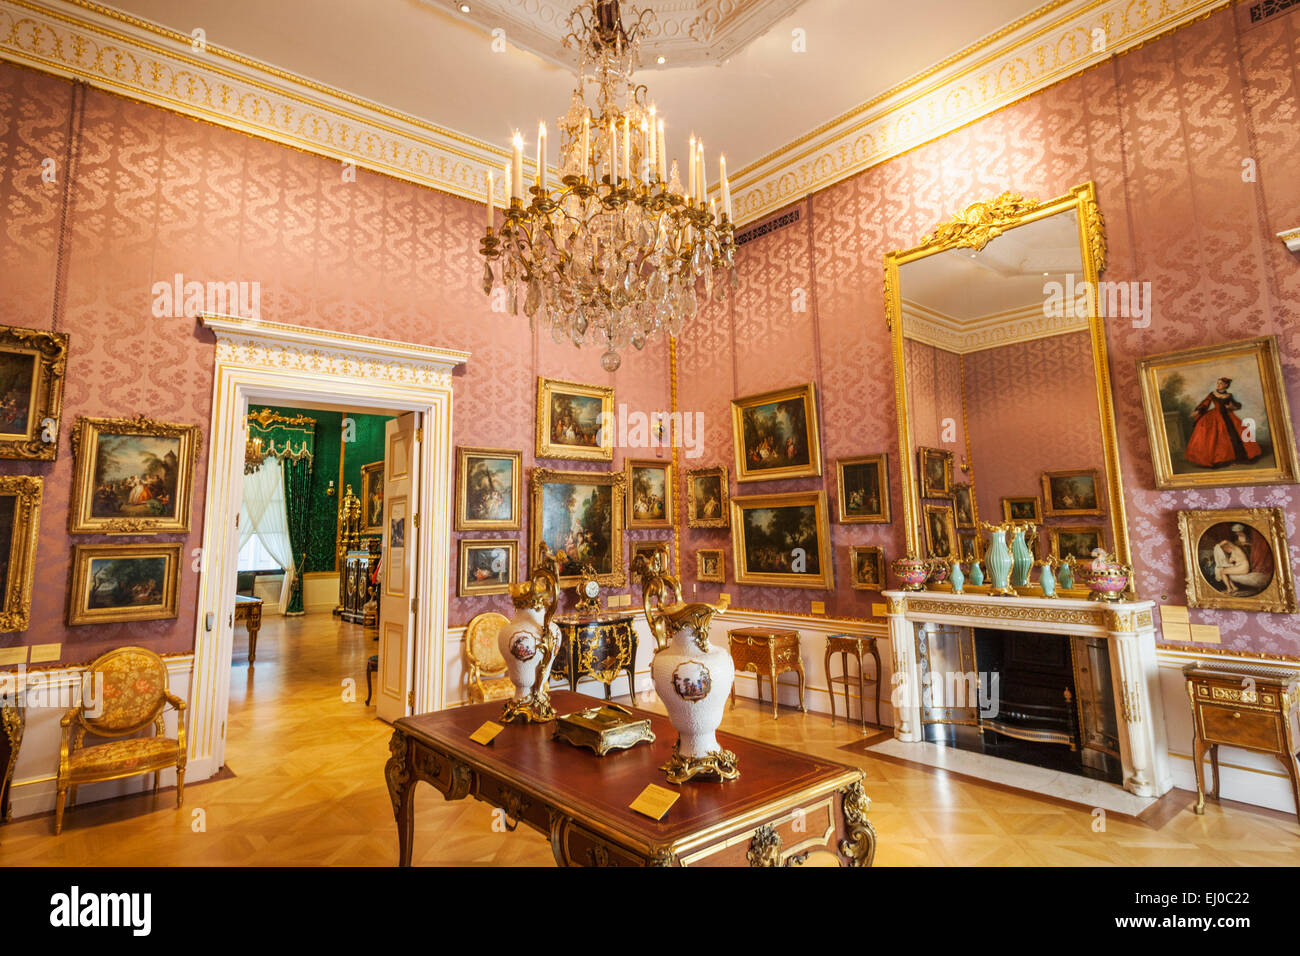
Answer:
x=397 y=594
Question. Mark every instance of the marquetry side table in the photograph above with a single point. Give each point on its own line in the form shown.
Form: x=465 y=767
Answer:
x=767 y=653
x=1245 y=706
x=857 y=645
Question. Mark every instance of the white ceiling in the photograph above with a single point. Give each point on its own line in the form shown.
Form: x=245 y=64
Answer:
x=424 y=58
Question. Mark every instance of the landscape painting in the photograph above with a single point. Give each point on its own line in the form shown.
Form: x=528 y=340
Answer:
x=488 y=482
x=571 y=420
x=782 y=540
x=123 y=582
x=775 y=435
x=579 y=517
x=1068 y=494
x=1077 y=543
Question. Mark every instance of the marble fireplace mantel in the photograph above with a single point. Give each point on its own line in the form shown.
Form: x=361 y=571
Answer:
x=1129 y=631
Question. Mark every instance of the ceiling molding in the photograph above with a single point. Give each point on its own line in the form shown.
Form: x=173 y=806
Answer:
x=1292 y=239
x=139 y=59
x=123 y=54
x=963 y=336
x=1050 y=44
x=685 y=32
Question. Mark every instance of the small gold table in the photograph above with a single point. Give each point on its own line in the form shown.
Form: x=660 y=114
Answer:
x=857 y=645
x=249 y=610
x=767 y=653
x=1243 y=705
x=600 y=645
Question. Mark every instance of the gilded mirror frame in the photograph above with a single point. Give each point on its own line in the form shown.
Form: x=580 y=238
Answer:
x=974 y=228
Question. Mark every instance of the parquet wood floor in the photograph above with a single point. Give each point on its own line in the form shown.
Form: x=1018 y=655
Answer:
x=304 y=785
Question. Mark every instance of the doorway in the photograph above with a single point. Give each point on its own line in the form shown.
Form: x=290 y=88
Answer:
x=264 y=363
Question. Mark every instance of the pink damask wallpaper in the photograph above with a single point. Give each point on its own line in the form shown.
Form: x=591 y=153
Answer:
x=1032 y=407
x=140 y=194
x=1192 y=142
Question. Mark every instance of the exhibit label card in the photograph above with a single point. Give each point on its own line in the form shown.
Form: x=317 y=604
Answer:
x=654 y=801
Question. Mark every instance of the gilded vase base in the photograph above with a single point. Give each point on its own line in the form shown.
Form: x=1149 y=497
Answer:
x=534 y=709
x=1004 y=592
x=914 y=587
x=721 y=764
x=1107 y=597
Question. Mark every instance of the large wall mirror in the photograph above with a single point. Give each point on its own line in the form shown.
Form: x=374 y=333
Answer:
x=1002 y=383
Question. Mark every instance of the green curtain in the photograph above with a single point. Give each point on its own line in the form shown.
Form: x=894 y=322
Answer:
x=297 y=502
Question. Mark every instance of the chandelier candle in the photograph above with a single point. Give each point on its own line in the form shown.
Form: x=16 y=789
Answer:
x=616 y=252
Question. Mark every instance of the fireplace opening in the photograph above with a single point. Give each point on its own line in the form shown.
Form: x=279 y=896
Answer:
x=1044 y=700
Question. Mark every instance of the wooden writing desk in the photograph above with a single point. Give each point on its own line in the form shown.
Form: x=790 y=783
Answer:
x=786 y=809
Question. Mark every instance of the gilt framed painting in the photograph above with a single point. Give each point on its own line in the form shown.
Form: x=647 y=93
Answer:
x=132 y=476
x=963 y=503
x=1219 y=416
x=488 y=493
x=579 y=516
x=775 y=435
x=941 y=531
x=707 y=498
x=372 y=497
x=649 y=548
x=1029 y=509
x=1238 y=559
x=782 y=540
x=710 y=565
x=1076 y=542
x=573 y=420
x=487 y=566
x=867 y=564
x=20 y=523
x=112 y=583
x=649 y=493
x=863 y=487
x=32 y=366
x=935 y=465
x=1073 y=493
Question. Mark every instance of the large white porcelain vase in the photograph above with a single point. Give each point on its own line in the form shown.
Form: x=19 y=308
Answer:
x=528 y=644
x=693 y=678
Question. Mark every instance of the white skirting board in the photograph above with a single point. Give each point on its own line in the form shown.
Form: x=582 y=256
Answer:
x=36 y=773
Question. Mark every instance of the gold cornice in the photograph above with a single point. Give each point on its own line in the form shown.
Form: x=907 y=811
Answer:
x=310 y=116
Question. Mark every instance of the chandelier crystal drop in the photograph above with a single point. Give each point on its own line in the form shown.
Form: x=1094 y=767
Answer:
x=618 y=250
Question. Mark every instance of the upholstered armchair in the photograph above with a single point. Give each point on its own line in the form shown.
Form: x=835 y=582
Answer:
x=133 y=694
x=485 y=659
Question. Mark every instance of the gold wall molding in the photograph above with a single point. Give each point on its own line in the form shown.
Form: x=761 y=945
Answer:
x=1047 y=46
x=133 y=57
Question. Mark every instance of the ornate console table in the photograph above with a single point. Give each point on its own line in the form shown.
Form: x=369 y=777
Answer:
x=786 y=808
x=12 y=722
x=601 y=645
x=1128 y=630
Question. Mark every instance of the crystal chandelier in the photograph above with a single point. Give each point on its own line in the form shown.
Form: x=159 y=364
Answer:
x=614 y=252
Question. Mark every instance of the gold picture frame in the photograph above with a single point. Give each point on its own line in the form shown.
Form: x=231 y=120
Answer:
x=649 y=502
x=1064 y=543
x=760 y=560
x=553 y=496
x=963 y=505
x=867 y=568
x=147 y=593
x=474 y=578
x=479 y=497
x=1073 y=500
x=1225 y=571
x=649 y=547
x=711 y=565
x=972 y=230
x=372 y=507
x=941 y=537
x=33 y=363
x=573 y=421
x=708 y=497
x=933 y=485
x=143 y=487
x=855 y=489
x=1023 y=508
x=786 y=456
x=1257 y=390
x=20 y=527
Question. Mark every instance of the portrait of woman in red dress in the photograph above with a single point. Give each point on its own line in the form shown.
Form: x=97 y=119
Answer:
x=1219 y=437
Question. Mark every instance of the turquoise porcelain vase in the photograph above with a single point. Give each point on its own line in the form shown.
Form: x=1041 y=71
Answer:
x=976 y=573
x=957 y=578
x=1065 y=577
x=1046 y=579
x=1022 y=559
x=999 y=559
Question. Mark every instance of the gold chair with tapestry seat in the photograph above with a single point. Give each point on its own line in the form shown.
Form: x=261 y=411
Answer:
x=485 y=659
x=133 y=695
